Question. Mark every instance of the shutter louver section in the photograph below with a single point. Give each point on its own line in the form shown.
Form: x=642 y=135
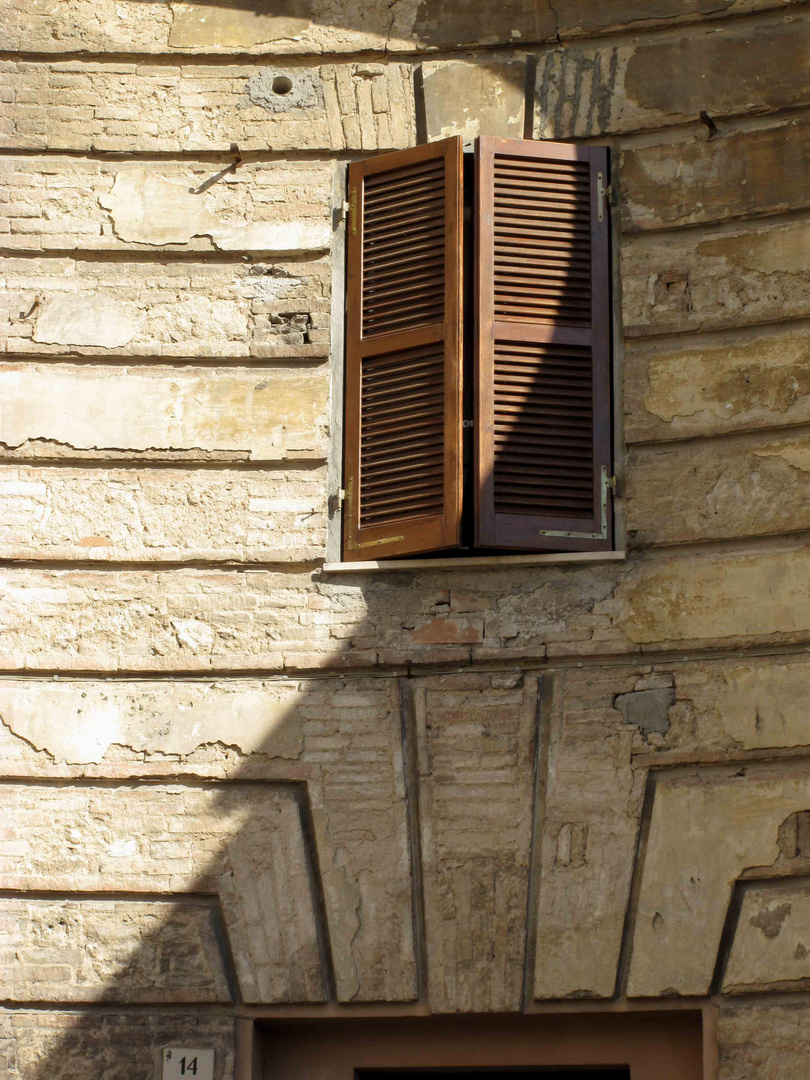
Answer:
x=403 y=353
x=543 y=348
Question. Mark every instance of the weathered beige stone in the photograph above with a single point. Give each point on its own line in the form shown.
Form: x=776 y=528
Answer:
x=226 y=309
x=61 y=203
x=79 y=724
x=590 y=823
x=475 y=97
x=101 y=321
x=266 y=619
x=146 y=209
x=244 y=844
x=704 y=831
x=109 y=950
x=157 y=515
x=772 y=942
x=742 y=382
x=763 y=1040
x=589 y=90
x=476 y=744
x=715 y=280
x=581 y=18
x=690 y=182
x=195 y=26
x=238 y=415
x=765 y=704
x=718 y=490
x=732 y=597
x=304 y=801
x=148 y=107
x=341 y=739
x=308 y=28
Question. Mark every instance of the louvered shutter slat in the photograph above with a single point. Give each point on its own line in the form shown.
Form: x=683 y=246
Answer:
x=403 y=353
x=542 y=348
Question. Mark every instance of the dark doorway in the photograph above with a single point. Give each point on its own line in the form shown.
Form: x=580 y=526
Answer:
x=589 y=1045
x=614 y=1073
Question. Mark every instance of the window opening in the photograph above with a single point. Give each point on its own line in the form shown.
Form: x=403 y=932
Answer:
x=510 y=248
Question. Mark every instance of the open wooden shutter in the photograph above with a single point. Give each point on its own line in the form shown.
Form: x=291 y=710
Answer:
x=403 y=353
x=543 y=347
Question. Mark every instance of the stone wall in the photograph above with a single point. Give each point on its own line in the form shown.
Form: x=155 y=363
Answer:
x=234 y=780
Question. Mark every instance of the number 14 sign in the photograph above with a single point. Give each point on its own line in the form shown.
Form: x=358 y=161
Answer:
x=187 y=1063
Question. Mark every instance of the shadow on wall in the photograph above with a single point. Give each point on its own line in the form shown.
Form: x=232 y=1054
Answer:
x=427 y=23
x=212 y=880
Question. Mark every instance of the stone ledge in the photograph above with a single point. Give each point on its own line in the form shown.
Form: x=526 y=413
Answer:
x=476 y=562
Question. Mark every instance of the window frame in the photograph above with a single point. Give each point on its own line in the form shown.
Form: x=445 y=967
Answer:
x=334 y=562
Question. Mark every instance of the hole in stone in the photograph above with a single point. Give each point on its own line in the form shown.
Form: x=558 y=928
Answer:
x=281 y=85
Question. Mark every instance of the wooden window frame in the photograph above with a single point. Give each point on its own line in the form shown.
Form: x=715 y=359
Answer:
x=442 y=530
x=572 y=537
x=536 y=532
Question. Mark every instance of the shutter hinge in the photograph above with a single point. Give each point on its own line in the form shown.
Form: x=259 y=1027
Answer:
x=351 y=209
x=608 y=484
x=602 y=193
x=346 y=494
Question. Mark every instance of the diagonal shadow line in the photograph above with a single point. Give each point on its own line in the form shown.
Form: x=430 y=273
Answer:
x=300 y=791
x=307 y=820
x=629 y=927
x=542 y=736
x=413 y=813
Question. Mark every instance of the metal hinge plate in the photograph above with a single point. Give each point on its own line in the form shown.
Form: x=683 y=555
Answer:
x=346 y=495
x=607 y=482
x=602 y=193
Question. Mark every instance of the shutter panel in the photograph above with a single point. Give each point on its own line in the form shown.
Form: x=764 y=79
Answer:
x=543 y=347
x=403 y=353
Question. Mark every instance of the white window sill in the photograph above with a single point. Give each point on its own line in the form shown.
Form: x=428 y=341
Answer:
x=485 y=562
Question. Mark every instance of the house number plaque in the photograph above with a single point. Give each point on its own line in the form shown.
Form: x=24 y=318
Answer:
x=187 y=1063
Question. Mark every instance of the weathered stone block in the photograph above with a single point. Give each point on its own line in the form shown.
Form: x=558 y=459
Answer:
x=740 y=382
x=722 y=279
x=589 y=828
x=341 y=739
x=477 y=741
x=734 y=597
x=584 y=91
x=113 y=950
x=718 y=490
x=162 y=514
x=243 y=844
x=763 y=1041
x=90 y=307
x=151 y=108
x=741 y=175
x=758 y=704
x=704 y=831
x=162 y=413
x=474 y=97
x=60 y=203
x=772 y=943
